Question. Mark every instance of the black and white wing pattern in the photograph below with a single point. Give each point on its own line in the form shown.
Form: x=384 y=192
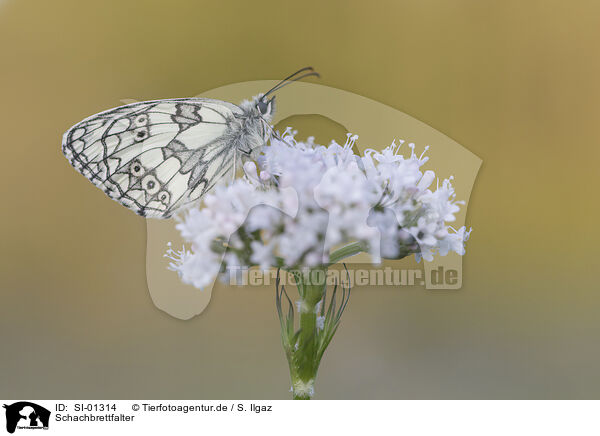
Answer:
x=155 y=157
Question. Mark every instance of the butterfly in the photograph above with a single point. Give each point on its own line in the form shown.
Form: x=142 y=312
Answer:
x=158 y=157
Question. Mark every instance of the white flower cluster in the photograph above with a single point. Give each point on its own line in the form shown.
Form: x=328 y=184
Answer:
x=303 y=200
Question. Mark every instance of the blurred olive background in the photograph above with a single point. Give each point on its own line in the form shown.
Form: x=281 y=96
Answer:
x=516 y=82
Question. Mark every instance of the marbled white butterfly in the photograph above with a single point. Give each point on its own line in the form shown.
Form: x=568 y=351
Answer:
x=156 y=157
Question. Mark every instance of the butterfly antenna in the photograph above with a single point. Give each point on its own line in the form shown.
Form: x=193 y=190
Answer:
x=289 y=79
x=278 y=87
x=290 y=76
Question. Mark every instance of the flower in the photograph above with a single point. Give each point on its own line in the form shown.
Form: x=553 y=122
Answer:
x=300 y=200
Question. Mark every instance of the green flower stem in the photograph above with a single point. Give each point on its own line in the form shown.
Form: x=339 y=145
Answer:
x=304 y=342
x=304 y=366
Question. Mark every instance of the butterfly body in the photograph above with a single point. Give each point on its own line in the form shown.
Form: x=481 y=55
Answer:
x=155 y=157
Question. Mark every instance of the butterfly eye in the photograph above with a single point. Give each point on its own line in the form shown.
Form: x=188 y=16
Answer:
x=140 y=134
x=150 y=184
x=164 y=197
x=264 y=107
x=141 y=120
x=136 y=168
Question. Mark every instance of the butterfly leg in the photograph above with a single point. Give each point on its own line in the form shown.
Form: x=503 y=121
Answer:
x=235 y=159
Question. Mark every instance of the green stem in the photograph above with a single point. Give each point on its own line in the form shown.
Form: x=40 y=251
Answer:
x=347 y=251
x=305 y=346
x=311 y=288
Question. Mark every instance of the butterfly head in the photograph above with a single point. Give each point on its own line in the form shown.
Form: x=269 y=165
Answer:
x=265 y=107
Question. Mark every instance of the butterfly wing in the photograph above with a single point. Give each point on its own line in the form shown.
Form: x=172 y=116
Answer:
x=155 y=157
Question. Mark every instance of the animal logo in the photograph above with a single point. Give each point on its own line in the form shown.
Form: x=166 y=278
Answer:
x=24 y=414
